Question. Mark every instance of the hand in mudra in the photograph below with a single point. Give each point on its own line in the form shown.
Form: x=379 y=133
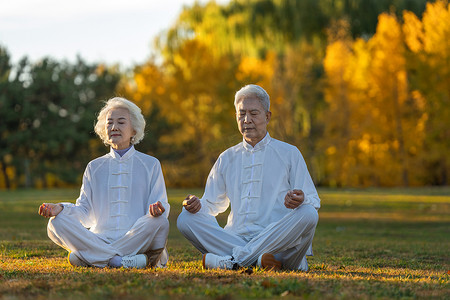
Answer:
x=156 y=209
x=49 y=210
x=294 y=199
x=192 y=204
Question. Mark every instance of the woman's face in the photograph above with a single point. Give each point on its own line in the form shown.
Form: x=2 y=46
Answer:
x=119 y=128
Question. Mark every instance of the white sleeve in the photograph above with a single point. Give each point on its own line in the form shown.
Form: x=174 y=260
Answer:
x=158 y=189
x=301 y=179
x=215 y=200
x=82 y=210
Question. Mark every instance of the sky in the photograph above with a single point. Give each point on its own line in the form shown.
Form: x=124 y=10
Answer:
x=107 y=31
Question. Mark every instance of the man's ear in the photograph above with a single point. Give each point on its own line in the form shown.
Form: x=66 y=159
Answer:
x=268 y=116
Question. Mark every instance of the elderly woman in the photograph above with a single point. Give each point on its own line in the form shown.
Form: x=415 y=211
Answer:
x=120 y=217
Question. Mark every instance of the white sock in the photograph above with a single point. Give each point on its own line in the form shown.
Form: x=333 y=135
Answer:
x=115 y=262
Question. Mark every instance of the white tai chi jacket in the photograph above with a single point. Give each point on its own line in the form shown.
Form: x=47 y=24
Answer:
x=117 y=191
x=255 y=180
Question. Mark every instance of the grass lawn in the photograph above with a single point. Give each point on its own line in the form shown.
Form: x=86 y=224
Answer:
x=373 y=243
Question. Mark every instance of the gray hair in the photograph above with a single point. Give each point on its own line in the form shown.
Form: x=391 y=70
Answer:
x=136 y=118
x=253 y=91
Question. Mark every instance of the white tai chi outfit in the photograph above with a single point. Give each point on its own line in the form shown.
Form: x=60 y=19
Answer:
x=111 y=216
x=255 y=181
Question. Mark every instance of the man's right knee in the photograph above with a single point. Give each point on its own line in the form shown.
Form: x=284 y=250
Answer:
x=183 y=220
x=186 y=221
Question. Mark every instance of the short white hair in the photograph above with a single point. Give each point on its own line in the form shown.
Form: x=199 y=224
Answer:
x=136 y=118
x=253 y=91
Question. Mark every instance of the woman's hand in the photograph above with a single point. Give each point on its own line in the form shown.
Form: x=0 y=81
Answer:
x=156 y=209
x=49 y=210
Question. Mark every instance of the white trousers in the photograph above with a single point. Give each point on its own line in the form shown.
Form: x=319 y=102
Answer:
x=148 y=233
x=288 y=239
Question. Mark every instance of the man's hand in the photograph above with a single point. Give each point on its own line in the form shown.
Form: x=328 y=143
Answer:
x=294 y=199
x=49 y=210
x=192 y=204
x=156 y=209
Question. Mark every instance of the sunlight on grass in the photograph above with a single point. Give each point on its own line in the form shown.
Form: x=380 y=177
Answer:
x=384 y=216
x=368 y=244
x=30 y=276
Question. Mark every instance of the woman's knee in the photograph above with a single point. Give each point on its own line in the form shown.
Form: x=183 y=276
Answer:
x=151 y=224
x=163 y=223
x=57 y=222
x=58 y=226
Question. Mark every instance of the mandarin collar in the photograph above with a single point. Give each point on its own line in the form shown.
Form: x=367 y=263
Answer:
x=260 y=145
x=126 y=156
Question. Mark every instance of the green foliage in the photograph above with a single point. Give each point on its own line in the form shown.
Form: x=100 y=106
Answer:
x=384 y=124
x=49 y=109
x=281 y=45
x=253 y=27
x=369 y=244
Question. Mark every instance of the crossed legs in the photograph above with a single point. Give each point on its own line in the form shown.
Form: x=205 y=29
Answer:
x=287 y=239
x=148 y=233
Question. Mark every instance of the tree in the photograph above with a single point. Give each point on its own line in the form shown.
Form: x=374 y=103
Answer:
x=193 y=89
x=349 y=160
x=372 y=134
x=8 y=95
x=389 y=94
x=50 y=110
x=429 y=69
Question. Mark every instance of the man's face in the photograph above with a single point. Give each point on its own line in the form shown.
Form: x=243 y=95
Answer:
x=252 y=120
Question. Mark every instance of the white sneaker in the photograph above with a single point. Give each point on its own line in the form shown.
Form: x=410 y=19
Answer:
x=138 y=261
x=76 y=261
x=212 y=261
x=268 y=261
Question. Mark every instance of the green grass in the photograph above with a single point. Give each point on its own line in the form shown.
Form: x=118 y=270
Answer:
x=374 y=243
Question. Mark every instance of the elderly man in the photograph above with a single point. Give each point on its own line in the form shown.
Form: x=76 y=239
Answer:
x=273 y=199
